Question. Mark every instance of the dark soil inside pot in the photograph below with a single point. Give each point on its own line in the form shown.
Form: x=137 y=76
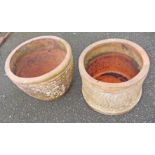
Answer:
x=112 y=67
x=39 y=62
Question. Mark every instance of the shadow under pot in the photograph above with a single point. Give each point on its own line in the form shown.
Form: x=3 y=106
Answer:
x=112 y=73
x=42 y=67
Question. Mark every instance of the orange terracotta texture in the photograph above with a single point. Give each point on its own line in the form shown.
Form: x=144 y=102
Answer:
x=112 y=73
x=42 y=67
x=112 y=67
x=39 y=62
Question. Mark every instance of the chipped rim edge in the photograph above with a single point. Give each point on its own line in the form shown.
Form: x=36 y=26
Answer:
x=45 y=76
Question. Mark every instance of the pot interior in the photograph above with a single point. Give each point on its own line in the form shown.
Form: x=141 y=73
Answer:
x=37 y=57
x=113 y=62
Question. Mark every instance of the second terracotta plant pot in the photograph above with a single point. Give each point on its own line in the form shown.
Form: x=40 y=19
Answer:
x=42 y=67
x=113 y=72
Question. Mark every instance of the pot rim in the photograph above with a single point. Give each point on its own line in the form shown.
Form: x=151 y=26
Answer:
x=142 y=73
x=45 y=76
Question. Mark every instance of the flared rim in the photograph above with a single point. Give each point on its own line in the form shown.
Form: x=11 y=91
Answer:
x=45 y=76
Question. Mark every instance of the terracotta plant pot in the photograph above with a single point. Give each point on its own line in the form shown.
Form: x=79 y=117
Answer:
x=41 y=82
x=113 y=86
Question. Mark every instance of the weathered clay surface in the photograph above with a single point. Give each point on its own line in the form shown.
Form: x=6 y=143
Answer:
x=111 y=103
x=113 y=98
x=47 y=86
x=51 y=88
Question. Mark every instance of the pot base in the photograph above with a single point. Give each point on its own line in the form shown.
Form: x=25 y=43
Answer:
x=104 y=111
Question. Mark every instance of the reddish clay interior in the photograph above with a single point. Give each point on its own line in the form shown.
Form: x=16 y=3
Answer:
x=39 y=62
x=112 y=67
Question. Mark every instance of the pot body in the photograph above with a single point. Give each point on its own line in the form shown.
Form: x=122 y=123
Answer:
x=48 y=86
x=113 y=98
x=109 y=102
x=51 y=88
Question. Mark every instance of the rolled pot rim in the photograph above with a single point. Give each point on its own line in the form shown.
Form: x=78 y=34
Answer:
x=45 y=76
x=142 y=73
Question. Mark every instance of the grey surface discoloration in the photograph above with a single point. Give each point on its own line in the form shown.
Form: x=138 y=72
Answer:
x=15 y=106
